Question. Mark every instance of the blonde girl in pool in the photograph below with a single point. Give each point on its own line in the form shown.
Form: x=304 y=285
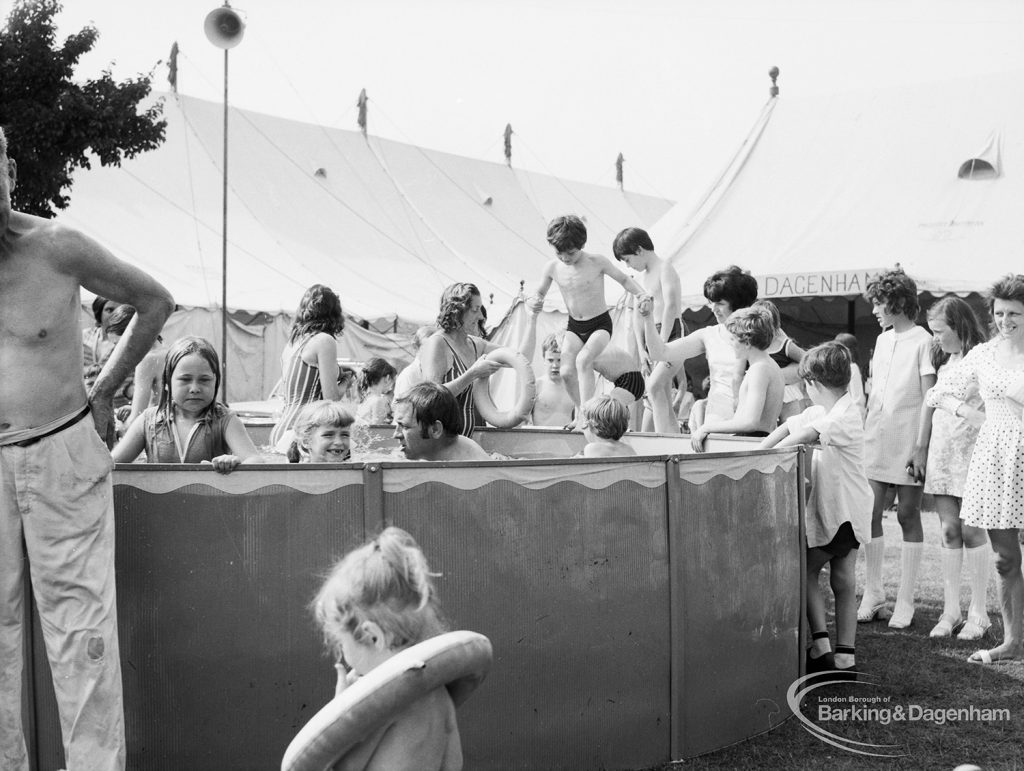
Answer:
x=378 y=600
x=323 y=434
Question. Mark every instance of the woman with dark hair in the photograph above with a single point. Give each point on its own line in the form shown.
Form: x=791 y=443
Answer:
x=309 y=362
x=993 y=496
x=727 y=291
x=96 y=347
x=454 y=355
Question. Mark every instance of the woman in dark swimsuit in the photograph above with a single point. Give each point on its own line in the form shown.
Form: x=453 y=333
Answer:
x=452 y=356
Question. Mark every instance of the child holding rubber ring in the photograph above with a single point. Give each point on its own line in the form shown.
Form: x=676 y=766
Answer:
x=378 y=600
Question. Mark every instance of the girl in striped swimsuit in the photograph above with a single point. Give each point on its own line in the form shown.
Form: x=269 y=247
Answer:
x=309 y=362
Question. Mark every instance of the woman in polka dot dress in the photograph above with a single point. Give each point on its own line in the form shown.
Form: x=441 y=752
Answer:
x=994 y=491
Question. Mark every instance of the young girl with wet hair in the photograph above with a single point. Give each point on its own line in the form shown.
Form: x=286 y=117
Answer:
x=376 y=388
x=189 y=425
x=378 y=600
x=323 y=434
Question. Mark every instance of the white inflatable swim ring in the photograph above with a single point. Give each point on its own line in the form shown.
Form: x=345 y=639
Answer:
x=457 y=660
x=526 y=387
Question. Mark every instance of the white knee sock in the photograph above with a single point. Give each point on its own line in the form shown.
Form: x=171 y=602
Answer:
x=910 y=563
x=979 y=570
x=874 y=553
x=952 y=565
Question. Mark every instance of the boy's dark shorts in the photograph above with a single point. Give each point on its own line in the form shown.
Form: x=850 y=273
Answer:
x=842 y=543
x=584 y=329
x=631 y=381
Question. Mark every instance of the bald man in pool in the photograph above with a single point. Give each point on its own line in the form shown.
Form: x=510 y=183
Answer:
x=56 y=496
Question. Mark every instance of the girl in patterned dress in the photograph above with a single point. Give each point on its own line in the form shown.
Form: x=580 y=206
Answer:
x=902 y=372
x=945 y=443
x=994 y=491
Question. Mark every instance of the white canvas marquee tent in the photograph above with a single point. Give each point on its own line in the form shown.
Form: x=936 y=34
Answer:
x=824 y=192
x=387 y=225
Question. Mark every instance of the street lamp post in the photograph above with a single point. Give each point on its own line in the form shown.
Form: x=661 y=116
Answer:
x=224 y=28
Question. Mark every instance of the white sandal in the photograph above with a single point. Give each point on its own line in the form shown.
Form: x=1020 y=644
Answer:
x=946 y=627
x=974 y=629
x=879 y=611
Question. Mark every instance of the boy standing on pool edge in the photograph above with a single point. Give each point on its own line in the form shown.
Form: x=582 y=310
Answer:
x=580 y=277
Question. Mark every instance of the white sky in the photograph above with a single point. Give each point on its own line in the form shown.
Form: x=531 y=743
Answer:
x=674 y=85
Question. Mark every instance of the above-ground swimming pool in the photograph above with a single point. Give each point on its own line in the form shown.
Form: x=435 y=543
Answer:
x=641 y=610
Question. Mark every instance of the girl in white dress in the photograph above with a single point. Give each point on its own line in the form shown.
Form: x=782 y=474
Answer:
x=944 y=446
x=994 y=491
x=902 y=372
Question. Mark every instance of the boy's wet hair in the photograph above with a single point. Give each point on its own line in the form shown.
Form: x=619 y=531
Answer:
x=432 y=402
x=895 y=291
x=733 y=285
x=608 y=417
x=386 y=581
x=319 y=311
x=551 y=343
x=455 y=301
x=1009 y=287
x=566 y=233
x=827 y=364
x=773 y=311
x=752 y=326
x=630 y=241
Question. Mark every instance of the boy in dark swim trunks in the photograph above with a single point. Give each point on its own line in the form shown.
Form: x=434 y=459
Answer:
x=634 y=247
x=580 y=277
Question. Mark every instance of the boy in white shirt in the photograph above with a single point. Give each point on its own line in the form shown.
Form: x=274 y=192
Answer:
x=837 y=515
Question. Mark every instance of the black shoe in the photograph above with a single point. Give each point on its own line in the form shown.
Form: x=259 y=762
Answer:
x=826 y=662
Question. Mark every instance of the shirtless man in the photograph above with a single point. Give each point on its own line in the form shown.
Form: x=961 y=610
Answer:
x=428 y=425
x=634 y=247
x=552 y=405
x=580 y=277
x=56 y=497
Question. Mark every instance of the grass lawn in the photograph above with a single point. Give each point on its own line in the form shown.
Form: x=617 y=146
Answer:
x=913 y=671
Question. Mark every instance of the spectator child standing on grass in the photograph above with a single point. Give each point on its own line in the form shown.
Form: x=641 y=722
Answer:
x=944 y=447
x=837 y=518
x=901 y=372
